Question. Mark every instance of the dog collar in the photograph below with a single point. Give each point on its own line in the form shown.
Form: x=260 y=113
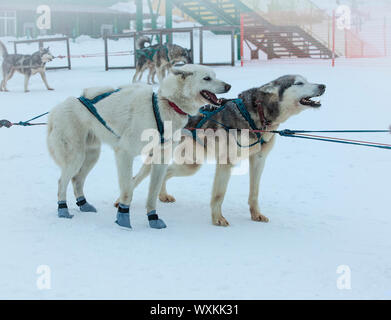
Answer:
x=176 y=108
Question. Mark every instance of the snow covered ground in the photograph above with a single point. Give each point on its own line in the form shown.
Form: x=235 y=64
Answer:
x=329 y=204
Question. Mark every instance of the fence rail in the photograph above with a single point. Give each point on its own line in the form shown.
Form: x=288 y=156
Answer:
x=41 y=42
x=160 y=33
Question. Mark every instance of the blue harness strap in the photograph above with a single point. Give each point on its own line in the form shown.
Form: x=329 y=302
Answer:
x=246 y=115
x=149 y=52
x=89 y=104
x=207 y=115
x=159 y=122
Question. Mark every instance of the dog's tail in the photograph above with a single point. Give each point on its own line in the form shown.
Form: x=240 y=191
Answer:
x=142 y=41
x=3 y=50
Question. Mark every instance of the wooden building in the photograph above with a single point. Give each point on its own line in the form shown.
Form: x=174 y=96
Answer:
x=17 y=19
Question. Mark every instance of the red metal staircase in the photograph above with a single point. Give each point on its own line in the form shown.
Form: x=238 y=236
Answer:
x=259 y=34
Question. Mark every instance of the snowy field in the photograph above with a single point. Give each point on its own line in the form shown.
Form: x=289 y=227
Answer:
x=328 y=204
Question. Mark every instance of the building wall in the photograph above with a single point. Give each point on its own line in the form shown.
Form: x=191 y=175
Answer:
x=66 y=23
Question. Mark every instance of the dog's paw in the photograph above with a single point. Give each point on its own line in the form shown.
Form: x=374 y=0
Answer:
x=257 y=216
x=51 y=89
x=166 y=198
x=87 y=208
x=123 y=220
x=64 y=213
x=154 y=221
x=221 y=222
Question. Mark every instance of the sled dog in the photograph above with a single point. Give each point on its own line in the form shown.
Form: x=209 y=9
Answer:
x=158 y=58
x=75 y=134
x=268 y=106
x=28 y=65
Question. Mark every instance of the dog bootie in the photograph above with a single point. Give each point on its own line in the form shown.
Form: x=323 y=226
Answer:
x=63 y=211
x=154 y=221
x=123 y=217
x=84 y=206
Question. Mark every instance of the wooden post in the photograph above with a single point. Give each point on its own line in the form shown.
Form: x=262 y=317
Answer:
x=333 y=36
x=201 y=46
x=192 y=45
x=106 y=54
x=241 y=40
x=233 y=47
x=69 y=55
x=135 y=49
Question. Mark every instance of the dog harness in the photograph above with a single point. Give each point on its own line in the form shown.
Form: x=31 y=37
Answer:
x=149 y=52
x=158 y=118
x=207 y=115
x=90 y=105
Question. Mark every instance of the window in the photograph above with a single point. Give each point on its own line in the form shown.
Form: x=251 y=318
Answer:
x=7 y=23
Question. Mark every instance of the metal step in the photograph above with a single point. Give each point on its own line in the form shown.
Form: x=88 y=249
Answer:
x=294 y=40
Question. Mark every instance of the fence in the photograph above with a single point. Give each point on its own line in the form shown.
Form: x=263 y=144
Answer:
x=41 y=42
x=159 y=34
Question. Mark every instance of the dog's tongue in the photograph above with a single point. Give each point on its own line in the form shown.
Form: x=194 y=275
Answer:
x=212 y=97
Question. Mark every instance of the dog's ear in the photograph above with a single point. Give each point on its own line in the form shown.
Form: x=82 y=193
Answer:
x=270 y=101
x=268 y=88
x=182 y=73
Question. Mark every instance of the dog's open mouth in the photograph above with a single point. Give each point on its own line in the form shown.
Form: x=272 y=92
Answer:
x=211 y=97
x=310 y=102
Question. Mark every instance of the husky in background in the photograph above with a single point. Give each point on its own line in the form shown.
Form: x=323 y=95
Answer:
x=28 y=65
x=158 y=58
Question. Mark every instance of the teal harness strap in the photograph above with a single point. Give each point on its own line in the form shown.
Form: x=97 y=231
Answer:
x=246 y=115
x=207 y=115
x=150 y=52
x=159 y=122
x=89 y=104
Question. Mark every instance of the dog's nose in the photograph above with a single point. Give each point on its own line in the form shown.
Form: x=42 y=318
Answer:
x=227 y=87
x=322 y=87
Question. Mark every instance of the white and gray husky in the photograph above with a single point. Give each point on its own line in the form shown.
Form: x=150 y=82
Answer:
x=158 y=58
x=26 y=64
x=269 y=106
x=75 y=135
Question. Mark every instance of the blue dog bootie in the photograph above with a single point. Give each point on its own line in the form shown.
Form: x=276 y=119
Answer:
x=154 y=221
x=63 y=211
x=123 y=217
x=84 y=206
